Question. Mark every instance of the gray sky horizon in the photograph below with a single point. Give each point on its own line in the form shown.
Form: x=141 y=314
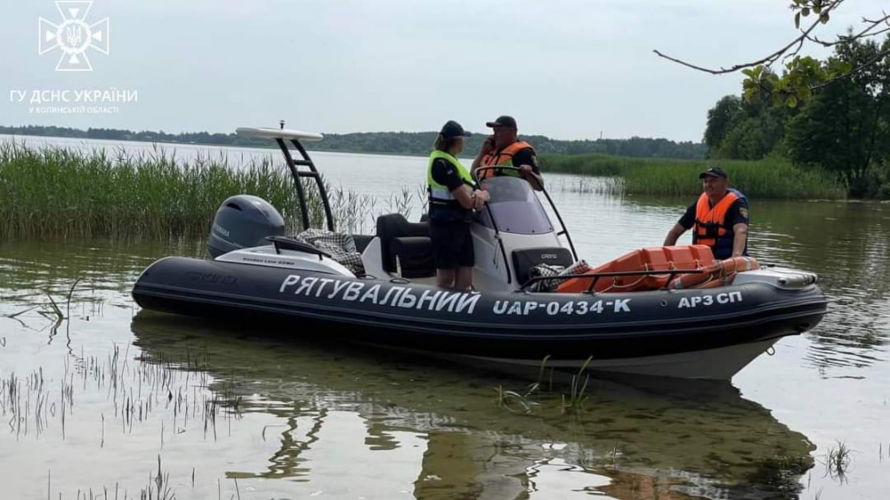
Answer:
x=567 y=69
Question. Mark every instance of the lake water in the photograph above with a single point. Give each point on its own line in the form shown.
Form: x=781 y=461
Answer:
x=91 y=404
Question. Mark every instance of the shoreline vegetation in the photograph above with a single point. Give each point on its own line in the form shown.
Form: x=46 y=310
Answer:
x=60 y=192
x=57 y=192
x=770 y=178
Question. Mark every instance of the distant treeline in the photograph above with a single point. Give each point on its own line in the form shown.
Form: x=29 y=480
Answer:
x=403 y=143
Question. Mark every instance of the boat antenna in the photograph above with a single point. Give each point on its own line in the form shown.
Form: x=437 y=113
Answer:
x=282 y=124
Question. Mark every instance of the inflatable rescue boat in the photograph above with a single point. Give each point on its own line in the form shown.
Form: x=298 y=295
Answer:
x=664 y=311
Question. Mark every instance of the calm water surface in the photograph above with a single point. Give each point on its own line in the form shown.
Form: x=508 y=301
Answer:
x=92 y=403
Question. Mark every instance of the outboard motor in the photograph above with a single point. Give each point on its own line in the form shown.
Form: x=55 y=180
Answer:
x=243 y=221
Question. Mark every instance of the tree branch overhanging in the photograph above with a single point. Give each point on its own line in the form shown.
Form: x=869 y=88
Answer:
x=794 y=46
x=768 y=60
x=865 y=33
x=855 y=70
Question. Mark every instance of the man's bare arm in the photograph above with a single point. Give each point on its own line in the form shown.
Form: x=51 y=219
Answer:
x=673 y=235
x=740 y=238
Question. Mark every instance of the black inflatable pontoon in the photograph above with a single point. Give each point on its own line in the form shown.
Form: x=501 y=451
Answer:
x=259 y=274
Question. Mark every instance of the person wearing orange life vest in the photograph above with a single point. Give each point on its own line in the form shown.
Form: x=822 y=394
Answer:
x=719 y=218
x=504 y=148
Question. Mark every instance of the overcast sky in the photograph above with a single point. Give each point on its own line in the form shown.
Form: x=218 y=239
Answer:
x=568 y=69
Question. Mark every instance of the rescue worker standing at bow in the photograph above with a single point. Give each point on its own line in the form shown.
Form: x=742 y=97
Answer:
x=452 y=199
x=718 y=219
x=505 y=148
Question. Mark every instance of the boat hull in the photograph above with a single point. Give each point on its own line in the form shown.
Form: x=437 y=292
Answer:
x=689 y=333
x=721 y=363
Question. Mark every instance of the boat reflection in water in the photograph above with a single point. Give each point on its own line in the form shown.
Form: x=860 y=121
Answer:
x=351 y=424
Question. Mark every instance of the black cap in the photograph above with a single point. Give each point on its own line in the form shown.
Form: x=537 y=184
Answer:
x=503 y=121
x=452 y=129
x=714 y=172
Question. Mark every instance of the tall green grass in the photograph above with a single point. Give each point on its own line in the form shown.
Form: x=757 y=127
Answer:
x=60 y=192
x=770 y=178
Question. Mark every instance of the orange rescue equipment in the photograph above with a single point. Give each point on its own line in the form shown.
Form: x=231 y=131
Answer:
x=502 y=157
x=710 y=223
x=719 y=273
x=646 y=259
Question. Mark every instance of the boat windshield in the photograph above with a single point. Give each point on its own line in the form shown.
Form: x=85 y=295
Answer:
x=515 y=207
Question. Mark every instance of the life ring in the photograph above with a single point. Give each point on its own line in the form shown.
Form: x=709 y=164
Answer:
x=716 y=274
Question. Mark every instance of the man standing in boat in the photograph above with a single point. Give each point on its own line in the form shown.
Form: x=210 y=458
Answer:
x=504 y=148
x=718 y=219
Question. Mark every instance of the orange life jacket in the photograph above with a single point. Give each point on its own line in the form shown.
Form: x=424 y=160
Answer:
x=710 y=223
x=502 y=157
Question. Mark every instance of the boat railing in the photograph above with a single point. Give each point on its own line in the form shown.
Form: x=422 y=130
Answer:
x=313 y=174
x=282 y=137
x=595 y=277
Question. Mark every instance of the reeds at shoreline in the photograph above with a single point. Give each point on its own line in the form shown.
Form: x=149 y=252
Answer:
x=56 y=192
x=769 y=178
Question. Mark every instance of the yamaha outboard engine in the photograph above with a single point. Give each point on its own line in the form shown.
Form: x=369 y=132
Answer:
x=243 y=221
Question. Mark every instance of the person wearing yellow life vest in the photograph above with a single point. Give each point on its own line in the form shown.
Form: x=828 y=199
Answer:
x=452 y=198
x=719 y=218
x=504 y=148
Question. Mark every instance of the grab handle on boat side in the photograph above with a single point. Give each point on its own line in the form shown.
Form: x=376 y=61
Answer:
x=797 y=280
x=285 y=243
x=596 y=276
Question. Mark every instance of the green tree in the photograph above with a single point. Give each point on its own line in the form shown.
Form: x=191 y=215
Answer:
x=845 y=127
x=755 y=134
x=747 y=129
x=752 y=138
x=721 y=118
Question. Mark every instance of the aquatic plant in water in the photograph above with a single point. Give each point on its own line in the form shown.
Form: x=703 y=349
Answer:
x=837 y=461
x=577 y=397
x=506 y=399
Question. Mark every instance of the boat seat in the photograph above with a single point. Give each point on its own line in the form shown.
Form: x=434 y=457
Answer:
x=361 y=242
x=407 y=241
x=413 y=254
